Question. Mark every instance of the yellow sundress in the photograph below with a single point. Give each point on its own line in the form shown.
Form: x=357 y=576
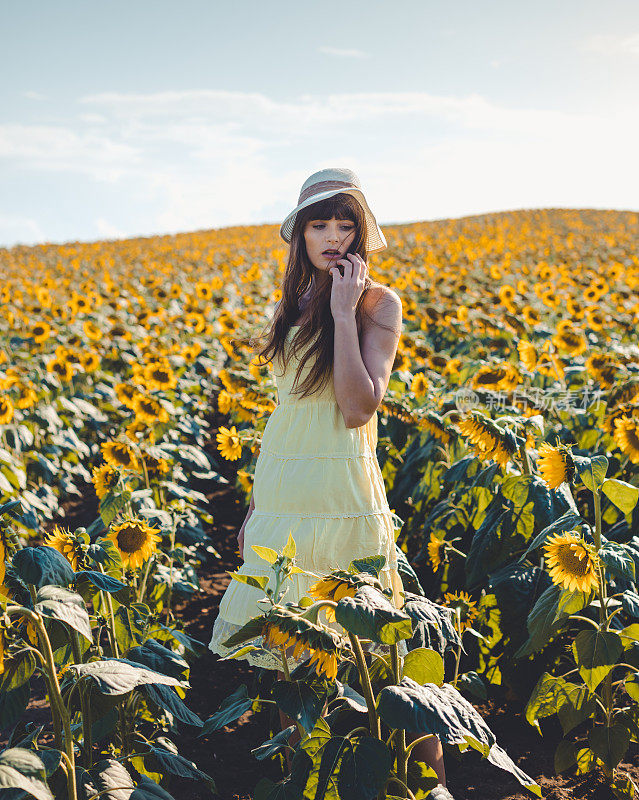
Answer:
x=321 y=482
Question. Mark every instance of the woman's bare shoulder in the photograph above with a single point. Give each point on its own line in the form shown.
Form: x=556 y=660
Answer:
x=380 y=299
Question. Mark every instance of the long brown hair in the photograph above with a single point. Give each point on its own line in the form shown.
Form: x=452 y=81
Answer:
x=298 y=275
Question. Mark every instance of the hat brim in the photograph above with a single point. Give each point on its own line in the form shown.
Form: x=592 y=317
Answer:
x=375 y=239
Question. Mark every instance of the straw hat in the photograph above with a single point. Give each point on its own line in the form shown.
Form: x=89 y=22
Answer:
x=326 y=183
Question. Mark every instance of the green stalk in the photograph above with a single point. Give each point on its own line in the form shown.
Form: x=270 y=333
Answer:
x=365 y=681
x=86 y=716
x=106 y=597
x=400 y=736
x=458 y=654
x=287 y=676
x=55 y=696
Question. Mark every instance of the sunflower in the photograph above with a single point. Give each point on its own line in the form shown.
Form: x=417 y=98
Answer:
x=419 y=384
x=159 y=375
x=229 y=444
x=467 y=608
x=555 y=464
x=119 y=455
x=488 y=439
x=135 y=540
x=6 y=410
x=572 y=562
x=436 y=548
x=626 y=437
x=41 y=332
x=433 y=423
x=62 y=368
x=283 y=628
x=68 y=544
x=155 y=467
x=125 y=393
x=149 y=409
x=570 y=339
x=90 y=360
x=333 y=587
x=527 y=354
x=224 y=401
x=91 y=330
x=104 y=478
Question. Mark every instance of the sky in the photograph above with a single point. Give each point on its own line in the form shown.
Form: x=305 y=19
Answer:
x=150 y=117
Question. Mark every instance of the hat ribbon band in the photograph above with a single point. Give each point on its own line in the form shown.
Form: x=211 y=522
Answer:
x=323 y=186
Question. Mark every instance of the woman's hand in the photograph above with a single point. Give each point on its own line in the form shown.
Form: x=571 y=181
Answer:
x=347 y=289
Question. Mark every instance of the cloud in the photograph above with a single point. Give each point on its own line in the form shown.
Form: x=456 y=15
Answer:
x=613 y=44
x=343 y=53
x=197 y=159
x=33 y=95
x=19 y=229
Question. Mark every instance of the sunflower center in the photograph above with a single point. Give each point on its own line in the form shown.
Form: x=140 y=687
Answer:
x=574 y=559
x=131 y=539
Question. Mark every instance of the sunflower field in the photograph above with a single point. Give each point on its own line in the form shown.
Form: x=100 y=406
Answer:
x=509 y=445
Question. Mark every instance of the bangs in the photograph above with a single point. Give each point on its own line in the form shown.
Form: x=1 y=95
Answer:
x=338 y=206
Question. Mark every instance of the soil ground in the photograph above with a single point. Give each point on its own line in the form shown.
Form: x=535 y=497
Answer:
x=226 y=755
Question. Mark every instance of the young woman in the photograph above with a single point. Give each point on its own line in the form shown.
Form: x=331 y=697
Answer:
x=333 y=341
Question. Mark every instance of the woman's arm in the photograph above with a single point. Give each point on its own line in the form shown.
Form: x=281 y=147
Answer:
x=362 y=370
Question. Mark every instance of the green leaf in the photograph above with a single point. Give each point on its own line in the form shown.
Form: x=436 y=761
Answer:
x=500 y=758
x=544 y=621
x=162 y=659
x=568 y=521
x=565 y=755
x=43 y=565
x=471 y=682
x=164 y=761
x=623 y=495
x=587 y=467
x=364 y=768
x=433 y=709
x=609 y=743
x=618 y=558
x=56 y=602
x=115 y=676
x=596 y=652
x=289 y=548
x=13 y=704
x=424 y=666
x=101 y=580
x=267 y=553
x=230 y=710
x=369 y=614
x=165 y=697
x=258 y=581
x=554 y=695
x=301 y=700
x=23 y=769
x=111 y=504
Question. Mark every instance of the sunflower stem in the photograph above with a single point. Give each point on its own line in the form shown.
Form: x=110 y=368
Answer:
x=287 y=676
x=106 y=597
x=525 y=462
x=400 y=737
x=458 y=654
x=601 y=591
x=365 y=682
x=86 y=716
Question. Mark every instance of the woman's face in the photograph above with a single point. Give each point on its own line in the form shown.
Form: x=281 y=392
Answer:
x=322 y=235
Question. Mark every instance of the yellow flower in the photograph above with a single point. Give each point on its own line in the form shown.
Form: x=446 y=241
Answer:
x=467 y=608
x=527 y=354
x=159 y=375
x=149 y=409
x=555 y=464
x=435 y=547
x=419 y=384
x=284 y=629
x=626 y=437
x=333 y=587
x=104 y=478
x=229 y=444
x=572 y=562
x=136 y=541
x=66 y=544
x=120 y=455
x=6 y=410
